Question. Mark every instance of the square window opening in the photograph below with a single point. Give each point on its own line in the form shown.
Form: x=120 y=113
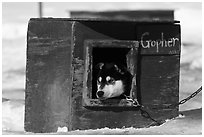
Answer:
x=116 y=55
x=125 y=55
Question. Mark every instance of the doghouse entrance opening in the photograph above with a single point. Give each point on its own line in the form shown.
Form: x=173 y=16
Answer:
x=121 y=52
x=116 y=55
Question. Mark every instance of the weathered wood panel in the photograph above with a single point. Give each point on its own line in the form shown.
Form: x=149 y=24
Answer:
x=159 y=91
x=159 y=39
x=89 y=119
x=127 y=14
x=159 y=64
x=48 y=75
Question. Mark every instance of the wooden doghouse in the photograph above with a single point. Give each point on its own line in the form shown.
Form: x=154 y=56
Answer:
x=60 y=83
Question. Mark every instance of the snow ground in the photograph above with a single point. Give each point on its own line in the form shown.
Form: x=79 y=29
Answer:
x=14 y=61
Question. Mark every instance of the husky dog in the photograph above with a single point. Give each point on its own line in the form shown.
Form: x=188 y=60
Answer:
x=113 y=81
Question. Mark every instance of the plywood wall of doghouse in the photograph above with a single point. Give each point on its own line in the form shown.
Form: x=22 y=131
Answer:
x=156 y=88
x=48 y=75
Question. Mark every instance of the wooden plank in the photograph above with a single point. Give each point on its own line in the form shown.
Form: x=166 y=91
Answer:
x=160 y=66
x=48 y=76
x=111 y=43
x=159 y=79
x=159 y=91
x=126 y=14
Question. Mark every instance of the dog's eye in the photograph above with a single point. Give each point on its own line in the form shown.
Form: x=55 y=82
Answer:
x=110 y=80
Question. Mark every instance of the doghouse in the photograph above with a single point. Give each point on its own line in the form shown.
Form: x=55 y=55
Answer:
x=60 y=83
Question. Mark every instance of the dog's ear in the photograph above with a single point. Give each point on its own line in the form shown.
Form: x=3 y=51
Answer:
x=118 y=69
x=99 y=65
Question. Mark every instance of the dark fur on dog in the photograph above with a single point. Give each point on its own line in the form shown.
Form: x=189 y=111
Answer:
x=111 y=77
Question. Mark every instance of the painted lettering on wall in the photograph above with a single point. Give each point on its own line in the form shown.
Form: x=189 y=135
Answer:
x=147 y=43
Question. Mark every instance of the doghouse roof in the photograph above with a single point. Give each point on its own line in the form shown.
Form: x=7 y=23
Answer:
x=106 y=20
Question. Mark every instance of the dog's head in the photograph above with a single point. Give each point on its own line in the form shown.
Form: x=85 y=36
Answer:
x=109 y=81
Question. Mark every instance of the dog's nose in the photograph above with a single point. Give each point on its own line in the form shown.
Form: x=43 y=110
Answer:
x=100 y=93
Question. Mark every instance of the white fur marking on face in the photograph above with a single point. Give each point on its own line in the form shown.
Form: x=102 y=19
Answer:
x=98 y=86
x=100 y=79
x=113 y=90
